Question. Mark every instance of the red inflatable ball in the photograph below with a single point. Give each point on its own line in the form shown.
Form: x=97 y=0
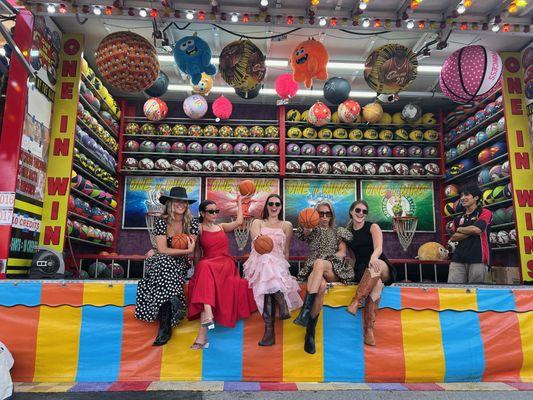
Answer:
x=319 y=114
x=155 y=109
x=286 y=86
x=222 y=108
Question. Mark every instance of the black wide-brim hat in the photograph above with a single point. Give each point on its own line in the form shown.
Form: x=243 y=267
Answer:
x=176 y=193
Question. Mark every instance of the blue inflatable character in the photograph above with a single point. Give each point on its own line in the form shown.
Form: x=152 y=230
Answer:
x=193 y=57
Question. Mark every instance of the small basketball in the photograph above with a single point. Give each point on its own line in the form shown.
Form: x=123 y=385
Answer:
x=263 y=244
x=247 y=187
x=180 y=241
x=308 y=218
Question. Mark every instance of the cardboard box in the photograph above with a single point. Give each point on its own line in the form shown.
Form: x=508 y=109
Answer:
x=506 y=275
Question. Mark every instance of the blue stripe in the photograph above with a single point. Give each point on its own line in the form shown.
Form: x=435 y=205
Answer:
x=20 y=293
x=463 y=346
x=222 y=361
x=499 y=300
x=343 y=346
x=130 y=294
x=391 y=298
x=100 y=344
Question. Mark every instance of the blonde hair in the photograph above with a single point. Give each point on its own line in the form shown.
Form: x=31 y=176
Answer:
x=332 y=221
x=170 y=216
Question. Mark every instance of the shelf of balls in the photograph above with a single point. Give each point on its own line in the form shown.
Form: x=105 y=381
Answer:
x=85 y=241
x=488 y=185
x=489 y=206
x=504 y=248
x=350 y=158
x=172 y=138
x=95 y=136
x=176 y=172
x=473 y=170
x=363 y=141
x=474 y=129
x=103 y=103
x=349 y=175
x=93 y=156
x=205 y=121
x=206 y=130
x=362 y=125
x=86 y=174
x=92 y=200
x=100 y=119
x=202 y=155
x=90 y=221
x=502 y=226
x=477 y=147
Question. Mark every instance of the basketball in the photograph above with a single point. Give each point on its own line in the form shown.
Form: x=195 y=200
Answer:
x=449 y=209
x=263 y=244
x=308 y=218
x=247 y=187
x=180 y=241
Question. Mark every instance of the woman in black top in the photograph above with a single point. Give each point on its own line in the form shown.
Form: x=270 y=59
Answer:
x=371 y=266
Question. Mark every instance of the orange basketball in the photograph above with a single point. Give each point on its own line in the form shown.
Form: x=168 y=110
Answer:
x=180 y=241
x=247 y=187
x=308 y=218
x=103 y=253
x=263 y=244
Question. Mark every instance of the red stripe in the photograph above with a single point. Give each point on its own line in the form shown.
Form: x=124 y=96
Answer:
x=523 y=300
x=503 y=346
x=385 y=362
x=18 y=331
x=261 y=364
x=57 y=294
x=420 y=299
x=139 y=361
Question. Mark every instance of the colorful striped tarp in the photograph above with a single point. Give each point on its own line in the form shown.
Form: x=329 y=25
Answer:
x=85 y=332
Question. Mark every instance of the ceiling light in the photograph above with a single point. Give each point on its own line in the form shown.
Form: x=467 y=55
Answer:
x=234 y=17
x=495 y=28
x=322 y=21
x=461 y=8
x=189 y=15
x=143 y=13
x=366 y=23
x=97 y=10
x=34 y=53
x=410 y=24
x=264 y=3
x=362 y=5
x=3 y=52
x=51 y=8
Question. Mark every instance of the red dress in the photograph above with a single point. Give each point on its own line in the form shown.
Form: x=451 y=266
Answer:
x=216 y=282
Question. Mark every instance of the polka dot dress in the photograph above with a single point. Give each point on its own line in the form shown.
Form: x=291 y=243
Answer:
x=163 y=281
x=323 y=244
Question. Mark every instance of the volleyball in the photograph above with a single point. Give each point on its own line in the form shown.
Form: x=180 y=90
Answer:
x=155 y=109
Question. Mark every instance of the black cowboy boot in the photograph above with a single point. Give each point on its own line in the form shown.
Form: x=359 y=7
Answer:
x=309 y=345
x=279 y=300
x=303 y=317
x=165 y=328
x=269 y=311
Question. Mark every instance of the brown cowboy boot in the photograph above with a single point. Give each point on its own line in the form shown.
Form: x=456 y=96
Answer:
x=269 y=312
x=279 y=300
x=371 y=312
x=364 y=288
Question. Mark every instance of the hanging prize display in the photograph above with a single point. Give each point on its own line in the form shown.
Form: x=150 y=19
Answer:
x=155 y=109
x=249 y=94
x=159 y=87
x=309 y=60
x=411 y=112
x=319 y=114
x=193 y=56
x=204 y=86
x=336 y=90
x=222 y=108
x=195 y=106
x=390 y=68
x=242 y=65
x=372 y=112
x=286 y=86
x=348 y=111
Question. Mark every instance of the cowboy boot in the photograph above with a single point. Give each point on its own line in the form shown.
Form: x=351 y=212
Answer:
x=165 y=328
x=371 y=312
x=365 y=286
x=305 y=311
x=279 y=300
x=309 y=345
x=268 y=316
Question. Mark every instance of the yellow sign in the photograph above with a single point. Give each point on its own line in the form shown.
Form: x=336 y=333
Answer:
x=520 y=158
x=60 y=154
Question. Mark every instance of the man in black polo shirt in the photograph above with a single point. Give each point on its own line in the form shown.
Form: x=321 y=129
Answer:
x=471 y=256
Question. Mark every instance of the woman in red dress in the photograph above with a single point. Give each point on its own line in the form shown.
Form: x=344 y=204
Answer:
x=217 y=293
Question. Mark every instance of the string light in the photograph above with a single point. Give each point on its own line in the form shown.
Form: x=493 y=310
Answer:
x=189 y=15
x=108 y=10
x=97 y=10
x=461 y=8
x=421 y=25
x=62 y=9
x=201 y=15
x=234 y=17
x=322 y=21
x=51 y=8
x=506 y=27
x=464 y=26
x=131 y=12
x=366 y=23
x=333 y=22
x=512 y=7
x=245 y=18
x=154 y=13
x=290 y=20
x=264 y=3
x=377 y=23
x=363 y=5
x=143 y=13
x=467 y=3
x=410 y=24
x=495 y=28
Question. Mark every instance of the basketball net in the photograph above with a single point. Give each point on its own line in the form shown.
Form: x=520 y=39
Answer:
x=405 y=228
x=155 y=210
x=242 y=232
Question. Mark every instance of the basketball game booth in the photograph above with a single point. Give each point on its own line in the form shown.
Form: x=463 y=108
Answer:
x=82 y=329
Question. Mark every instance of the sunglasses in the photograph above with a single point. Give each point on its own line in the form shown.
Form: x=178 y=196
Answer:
x=212 y=211
x=274 y=204
x=360 y=210
x=325 y=213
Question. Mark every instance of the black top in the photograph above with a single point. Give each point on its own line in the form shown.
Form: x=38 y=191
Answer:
x=160 y=229
x=474 y=248
x=362 y=244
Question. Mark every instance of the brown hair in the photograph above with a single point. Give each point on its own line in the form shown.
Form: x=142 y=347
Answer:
x=169 y=216
x=264 y=213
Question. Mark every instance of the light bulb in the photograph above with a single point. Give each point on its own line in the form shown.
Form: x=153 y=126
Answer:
x=363 y=5
x=97 y=10
x=51 y=8
x=366 y=23
x=234 y=17
x=189 y=15
x=143 y=13
x=410 y=24
x=322 y=21
x=264 y=3
x=461 y=8
x=495 y=28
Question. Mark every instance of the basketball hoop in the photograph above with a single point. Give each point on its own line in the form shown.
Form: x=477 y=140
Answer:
x=242 y=232
x=155 y=210
x=405 y=228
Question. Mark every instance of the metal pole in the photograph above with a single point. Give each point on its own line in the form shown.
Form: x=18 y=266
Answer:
x=7 y=36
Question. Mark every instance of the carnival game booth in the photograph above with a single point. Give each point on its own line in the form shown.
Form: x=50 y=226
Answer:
x=90 y=141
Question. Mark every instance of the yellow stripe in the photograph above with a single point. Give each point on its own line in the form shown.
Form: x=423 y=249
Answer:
x=188 y=365
x=101 y=294
x=299 y=366
x=525 y=321
x=22 y=205
x=422 y=346
x=18 y=262
x=339 y=296
x=58 y=337
x=458 y=299
x=17 y=271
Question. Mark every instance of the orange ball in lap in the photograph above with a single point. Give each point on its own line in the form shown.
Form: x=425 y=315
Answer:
x=180 y=241
x=308 y=218
x=263 y=244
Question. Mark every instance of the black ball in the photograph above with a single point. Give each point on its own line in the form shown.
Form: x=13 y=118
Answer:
x=160 y=86
x=337 y=90
x=250 y=94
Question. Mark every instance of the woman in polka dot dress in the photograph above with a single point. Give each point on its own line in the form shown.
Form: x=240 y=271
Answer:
x=160 y=293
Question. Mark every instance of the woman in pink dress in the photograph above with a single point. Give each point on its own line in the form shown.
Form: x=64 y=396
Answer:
x=268 y=274
x=216 y=291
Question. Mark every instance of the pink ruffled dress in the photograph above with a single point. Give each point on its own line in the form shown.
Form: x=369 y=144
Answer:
x=269 y=273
